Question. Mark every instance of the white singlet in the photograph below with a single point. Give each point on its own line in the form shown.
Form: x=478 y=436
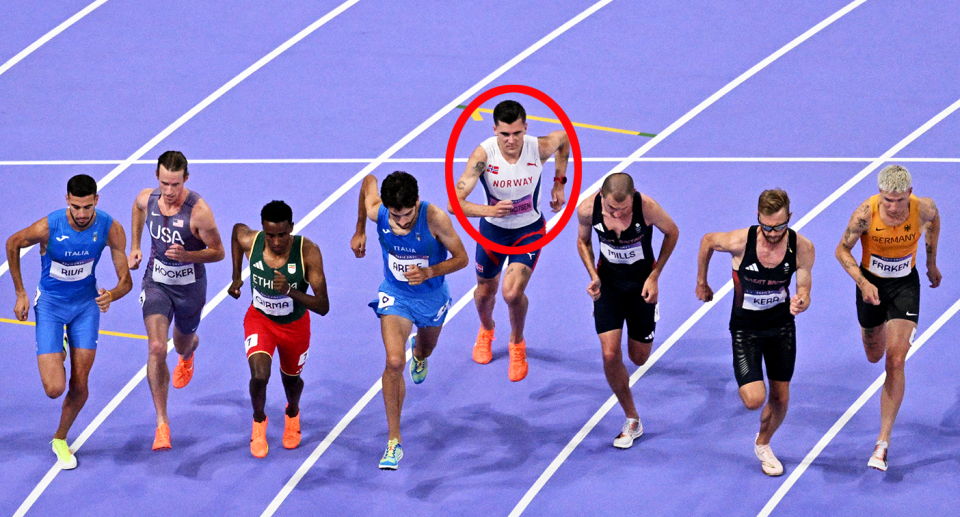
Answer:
x=519 y=182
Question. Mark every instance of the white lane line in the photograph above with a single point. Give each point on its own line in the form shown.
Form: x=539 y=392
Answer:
x=848 y=414
x=261 y=161
x=133 y=158
x=548 y=473
x=106 y=411
x=345 y=421
x=49 y=36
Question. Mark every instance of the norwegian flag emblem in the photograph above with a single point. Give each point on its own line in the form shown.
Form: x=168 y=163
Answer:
x=493 y=169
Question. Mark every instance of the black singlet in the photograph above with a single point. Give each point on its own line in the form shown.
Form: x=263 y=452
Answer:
x=761 y=298
x=627 y=259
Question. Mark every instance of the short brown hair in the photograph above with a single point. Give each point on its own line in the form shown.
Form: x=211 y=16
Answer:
x=173 y=161
x=619 y=185
x=772 y=201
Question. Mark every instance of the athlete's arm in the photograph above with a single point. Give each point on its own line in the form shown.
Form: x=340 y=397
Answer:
x=806 y=254
x=136 y=227
x=556 y=142
x=368 y=208
x=476 y=165
x=36 y=233
x=318 y=302
x=930 y=215
x=240 y=243
x=585 y=244
x=859 y=224
x=734 y=243
x=117 y=240
x=442 y=229
x=655 y=215
x=204 y=227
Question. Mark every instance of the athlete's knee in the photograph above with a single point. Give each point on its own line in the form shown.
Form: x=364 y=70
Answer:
x=895 y=362
x=54 y=389
x=395 y=364
x=157 y=347
x=513 y=295
x=485 y=290
x=752 y=398
x=78 y=390
x=612 y=356
x=639 y=356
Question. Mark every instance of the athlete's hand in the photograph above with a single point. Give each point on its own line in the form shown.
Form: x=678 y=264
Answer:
x=704 y=293
x=280 y=283
x=502 y=208
x=870 y=293
x=593 y=289
x=798 y=304
x=133 y=259
x=359 y=244
x=103 y=301
x=933 y=273
x=650 y=290
x=557 y=197
x=418 y=275
x=22 y=307
x=234 y=290
x=177 y=252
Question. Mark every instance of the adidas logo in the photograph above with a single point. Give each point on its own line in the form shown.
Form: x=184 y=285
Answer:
x=599 y=227
x=753 y=267
x=650 y=337
x=259 y=265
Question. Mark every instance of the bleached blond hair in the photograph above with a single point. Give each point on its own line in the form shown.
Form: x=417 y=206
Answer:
x=894 y=178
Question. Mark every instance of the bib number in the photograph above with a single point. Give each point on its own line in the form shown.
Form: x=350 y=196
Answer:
x=273 y=305
x=890 y=267
x=628 y=254
x=403 y=263
x=763 y=300
x=173 y=275
x=520 y=206
x=71 y=271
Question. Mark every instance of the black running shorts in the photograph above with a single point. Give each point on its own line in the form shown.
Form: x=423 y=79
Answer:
x=777 y=347
x=899 y=300
x=616 y=306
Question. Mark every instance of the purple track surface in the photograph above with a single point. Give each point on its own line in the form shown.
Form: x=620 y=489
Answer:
x=474 y=442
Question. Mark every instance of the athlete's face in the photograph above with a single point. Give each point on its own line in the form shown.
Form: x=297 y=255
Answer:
x=171 y=184
x=510 y=136
x=777 y=220
x=617 y=209
x=82 y=209
x=895 y=204
x=404 y=218
x=278 y=237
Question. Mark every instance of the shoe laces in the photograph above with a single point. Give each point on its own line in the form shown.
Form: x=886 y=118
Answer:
x=517 y=353
x=391 y=451
x=259 y=430
x=880 y=451
x=419 y=364
x=630 y=426
x=485 y=337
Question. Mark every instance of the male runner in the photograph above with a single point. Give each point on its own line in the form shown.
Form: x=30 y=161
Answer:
x=509 y=167
x=415 y=237
x=184 y=236
x=624 y=283
x=281 y=266
x=764 y=259
x=889 y=226
x=71 y=242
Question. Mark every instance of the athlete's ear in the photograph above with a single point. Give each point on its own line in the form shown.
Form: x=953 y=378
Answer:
x=96 y=199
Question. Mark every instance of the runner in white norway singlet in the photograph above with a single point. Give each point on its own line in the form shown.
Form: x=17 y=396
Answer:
x=519 y=182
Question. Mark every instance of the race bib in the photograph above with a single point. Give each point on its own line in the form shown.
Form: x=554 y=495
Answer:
x=520 y=206
x=763 y=300
x=281 y=305
x=173 y=275
x=403 y=263
x=890 y=267
x=71 y=271
x=627 y=254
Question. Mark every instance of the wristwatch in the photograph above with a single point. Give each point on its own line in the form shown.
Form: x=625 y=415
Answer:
x=562 y=181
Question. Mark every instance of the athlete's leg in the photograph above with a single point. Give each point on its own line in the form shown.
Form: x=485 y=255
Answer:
x=898 y=344
x=185 y=344
x=514 y=286
x=616 y=372
x=395 y=330
x=426 y=341
x=158 y=375
x=753 y=394
x=639 y=351
x=81 y=361
x=293 y=387
x=260 y=363
x=874 y=342
x=775 y=410
x=485 y=296
x=52 y=374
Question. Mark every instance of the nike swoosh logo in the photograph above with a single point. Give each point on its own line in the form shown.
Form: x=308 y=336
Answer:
x=911 y=314
x=879 y=229
x=154 y=214
x=62 y=237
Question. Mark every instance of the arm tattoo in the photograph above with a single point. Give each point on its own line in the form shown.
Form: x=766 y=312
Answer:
x=461 y=185
x=929 y=249
x=480 y=167
x=849 y=264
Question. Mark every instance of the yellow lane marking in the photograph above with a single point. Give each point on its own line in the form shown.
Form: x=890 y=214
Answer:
x=476 y=116
x=104 y=332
